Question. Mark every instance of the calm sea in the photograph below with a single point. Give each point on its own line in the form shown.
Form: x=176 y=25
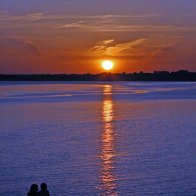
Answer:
x=112 y=138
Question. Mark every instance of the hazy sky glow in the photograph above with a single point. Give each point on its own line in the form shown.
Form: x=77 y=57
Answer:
x=73 y=36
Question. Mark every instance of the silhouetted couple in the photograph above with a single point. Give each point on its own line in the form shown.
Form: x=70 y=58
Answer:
x=34 y=190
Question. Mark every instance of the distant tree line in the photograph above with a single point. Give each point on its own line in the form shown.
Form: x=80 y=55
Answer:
x=181 y=75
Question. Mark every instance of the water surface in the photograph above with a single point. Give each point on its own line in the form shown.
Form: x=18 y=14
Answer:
x=120 y=138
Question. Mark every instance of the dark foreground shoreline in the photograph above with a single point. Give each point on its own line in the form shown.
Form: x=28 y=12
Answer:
x=181 y=75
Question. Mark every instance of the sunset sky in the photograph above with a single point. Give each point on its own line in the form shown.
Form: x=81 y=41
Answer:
x=73 y=36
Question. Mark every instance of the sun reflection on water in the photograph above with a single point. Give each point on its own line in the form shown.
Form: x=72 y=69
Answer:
x=107 y=177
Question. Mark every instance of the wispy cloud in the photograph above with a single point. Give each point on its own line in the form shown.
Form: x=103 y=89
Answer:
x=18 y=45
x=33 y=48
x=93 y=23
x=22 y=18
x=111 y=48
x=71 y=25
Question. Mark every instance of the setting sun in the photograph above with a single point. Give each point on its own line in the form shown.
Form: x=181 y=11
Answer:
x=107 y=65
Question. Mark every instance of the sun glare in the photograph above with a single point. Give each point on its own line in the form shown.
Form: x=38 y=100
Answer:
x=107 y=65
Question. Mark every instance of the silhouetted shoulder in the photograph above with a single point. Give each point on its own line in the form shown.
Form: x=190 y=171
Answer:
x=32 y=194
x=43 y=193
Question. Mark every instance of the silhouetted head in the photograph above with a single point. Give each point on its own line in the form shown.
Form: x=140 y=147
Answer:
x=43 y=186
x=34 y=188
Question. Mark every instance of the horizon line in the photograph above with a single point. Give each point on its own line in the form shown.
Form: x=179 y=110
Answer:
x=123 y=72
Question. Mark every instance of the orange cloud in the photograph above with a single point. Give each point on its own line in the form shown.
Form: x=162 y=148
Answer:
x=110 y=48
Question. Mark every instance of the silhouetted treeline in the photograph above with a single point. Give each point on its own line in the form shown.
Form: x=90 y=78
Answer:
x=181 y=75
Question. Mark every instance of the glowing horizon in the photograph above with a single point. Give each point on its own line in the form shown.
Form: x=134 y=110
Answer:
x=40 y=38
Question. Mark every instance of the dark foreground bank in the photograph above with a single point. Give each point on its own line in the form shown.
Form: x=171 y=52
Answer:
x=181 y=75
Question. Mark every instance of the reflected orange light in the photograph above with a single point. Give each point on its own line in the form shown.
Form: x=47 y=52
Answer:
x=107 y=178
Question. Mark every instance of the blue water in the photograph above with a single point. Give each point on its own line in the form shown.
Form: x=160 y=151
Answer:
x=112 y=138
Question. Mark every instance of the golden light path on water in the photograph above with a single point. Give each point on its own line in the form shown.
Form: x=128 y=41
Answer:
x=107 y=177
